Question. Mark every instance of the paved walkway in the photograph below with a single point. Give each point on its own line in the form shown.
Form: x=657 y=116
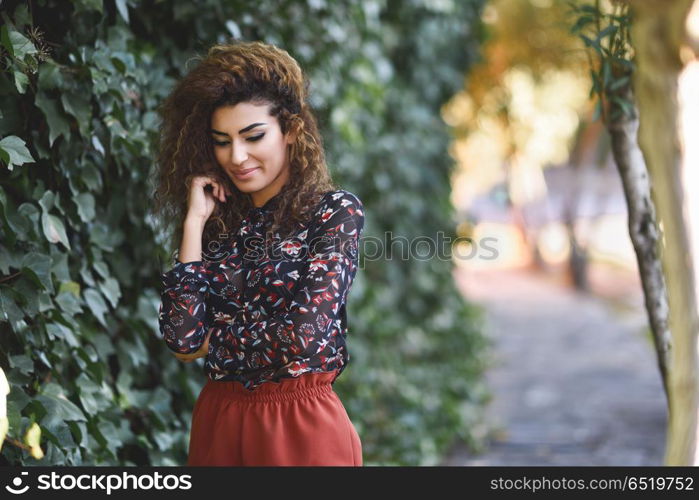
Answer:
x=575 y=380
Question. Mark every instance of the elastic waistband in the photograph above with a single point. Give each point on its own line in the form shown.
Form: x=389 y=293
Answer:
x=287 y=389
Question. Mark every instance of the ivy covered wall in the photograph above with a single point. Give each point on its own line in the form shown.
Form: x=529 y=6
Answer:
x=81 y=257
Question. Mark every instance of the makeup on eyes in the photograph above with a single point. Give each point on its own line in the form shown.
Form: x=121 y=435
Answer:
x=249 y=139
x=241 y=131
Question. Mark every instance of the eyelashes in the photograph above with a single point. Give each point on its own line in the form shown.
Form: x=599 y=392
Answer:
x=249 y=139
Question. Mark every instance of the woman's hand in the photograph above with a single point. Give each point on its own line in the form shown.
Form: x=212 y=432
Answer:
x=201 y=202
x=199 y=353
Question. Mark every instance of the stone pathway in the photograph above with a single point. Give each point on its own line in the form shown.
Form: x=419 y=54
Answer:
x=574 y=377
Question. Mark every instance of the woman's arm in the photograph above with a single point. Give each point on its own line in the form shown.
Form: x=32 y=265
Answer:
x=190 y=248
x=182 y=312
x=185 y=287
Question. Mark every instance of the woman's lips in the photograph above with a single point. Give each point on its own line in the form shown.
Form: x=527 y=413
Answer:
x=245 y=174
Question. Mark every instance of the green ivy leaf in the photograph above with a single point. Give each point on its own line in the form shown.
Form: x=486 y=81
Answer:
x=138 y=353
x=91 y=177
x=86 y=206
x=96 y=304
x=57 y=330
x=59 y=409
x=122 y=7
x=58 y=125
x=54 y=230
x=6 y=261
x=21 y=81
x=164 y=440
x=70 y=286
x=110 y=289
x=16 y=152
x=5 y=39
x=101 y=268
x=49 y=76
x=99 y=80
x=40 y=267
x=79 y=106
x=47 y=200
x=101 y=236
x=43 y=358
x=94 y=397
x=161 y=404
x=97 y=144
x=103 y=344
x=17 y=44
x=17 y=399
x=114 y=436
x=27 y=287
x=22 y=363
x=68 y=302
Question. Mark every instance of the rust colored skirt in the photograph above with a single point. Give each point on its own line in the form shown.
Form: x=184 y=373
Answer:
x=296 y=422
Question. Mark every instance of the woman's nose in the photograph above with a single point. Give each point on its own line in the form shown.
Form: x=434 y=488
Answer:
x=238 y=154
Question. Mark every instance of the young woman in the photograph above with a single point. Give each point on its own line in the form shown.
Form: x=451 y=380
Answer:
x=268 y=252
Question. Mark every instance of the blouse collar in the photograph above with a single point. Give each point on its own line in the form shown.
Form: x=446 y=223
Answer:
x=269 y=205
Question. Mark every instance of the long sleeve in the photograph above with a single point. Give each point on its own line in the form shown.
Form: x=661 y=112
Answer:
x=182 y=313
x=283 y=343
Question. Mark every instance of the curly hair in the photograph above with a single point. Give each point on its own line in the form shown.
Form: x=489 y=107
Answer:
x=231 y=73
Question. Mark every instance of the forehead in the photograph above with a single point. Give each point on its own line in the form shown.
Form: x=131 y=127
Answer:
x=240 y=115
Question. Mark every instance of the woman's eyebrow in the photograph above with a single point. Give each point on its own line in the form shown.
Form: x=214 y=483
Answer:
x=242 y=130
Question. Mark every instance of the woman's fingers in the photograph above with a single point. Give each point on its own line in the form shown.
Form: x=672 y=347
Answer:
x=219 y=192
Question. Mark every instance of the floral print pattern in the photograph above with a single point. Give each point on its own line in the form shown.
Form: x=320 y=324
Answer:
x=275 y=309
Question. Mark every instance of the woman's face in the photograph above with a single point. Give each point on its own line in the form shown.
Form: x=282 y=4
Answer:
x=251 y=149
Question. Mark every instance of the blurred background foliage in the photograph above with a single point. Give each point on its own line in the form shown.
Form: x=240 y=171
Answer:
x=525 y=110
x=80 y=256
x=521 y=106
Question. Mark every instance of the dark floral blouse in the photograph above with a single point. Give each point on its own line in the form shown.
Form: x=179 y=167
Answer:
x=275 y=308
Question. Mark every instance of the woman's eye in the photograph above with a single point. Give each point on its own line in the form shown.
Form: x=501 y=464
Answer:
x=249 y=139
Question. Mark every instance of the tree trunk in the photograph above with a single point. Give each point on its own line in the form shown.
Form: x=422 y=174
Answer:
x=659 y=37
x=643 y=230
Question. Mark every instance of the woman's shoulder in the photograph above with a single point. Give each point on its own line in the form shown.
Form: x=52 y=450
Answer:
x=339 y=210
x=339 y=199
